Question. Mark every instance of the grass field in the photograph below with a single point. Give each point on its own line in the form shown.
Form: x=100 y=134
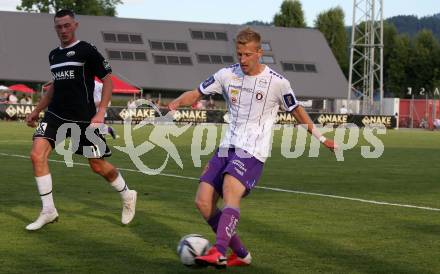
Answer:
x=286 y=232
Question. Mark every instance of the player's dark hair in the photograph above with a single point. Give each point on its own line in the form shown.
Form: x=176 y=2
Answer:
x=64 y=12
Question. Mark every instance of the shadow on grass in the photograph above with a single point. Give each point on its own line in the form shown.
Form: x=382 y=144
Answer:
x=327 y=255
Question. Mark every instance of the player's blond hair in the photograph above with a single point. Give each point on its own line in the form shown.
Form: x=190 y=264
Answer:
x=248 y=35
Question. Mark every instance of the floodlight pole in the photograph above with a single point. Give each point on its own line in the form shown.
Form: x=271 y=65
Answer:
x=366 y=66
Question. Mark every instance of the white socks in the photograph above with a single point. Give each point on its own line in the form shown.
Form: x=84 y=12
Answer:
x=120 y=186
x=44 y=184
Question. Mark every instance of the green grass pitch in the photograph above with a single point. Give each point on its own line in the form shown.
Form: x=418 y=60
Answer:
x=286 y=232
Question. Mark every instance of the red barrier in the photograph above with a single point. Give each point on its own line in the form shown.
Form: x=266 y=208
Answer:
x=418 y=113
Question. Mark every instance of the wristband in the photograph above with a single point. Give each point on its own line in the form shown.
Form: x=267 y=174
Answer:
x=322 y=139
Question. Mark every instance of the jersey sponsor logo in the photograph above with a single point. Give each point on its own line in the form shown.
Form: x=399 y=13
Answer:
x=245 y=89
x=70 y=53
x=249 y=90
x=259 y=95
x=235 y=86
x=208 y=82
x=262 y=83
x=289 y=100
x=63 y=75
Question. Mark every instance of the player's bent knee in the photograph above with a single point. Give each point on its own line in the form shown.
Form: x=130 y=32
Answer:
x=37 y=157
x=203 y=205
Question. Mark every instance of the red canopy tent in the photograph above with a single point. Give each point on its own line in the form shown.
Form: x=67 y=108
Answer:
x=21 y=88
x=122 y=87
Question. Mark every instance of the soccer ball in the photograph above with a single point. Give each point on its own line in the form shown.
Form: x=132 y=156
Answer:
x=191 y=246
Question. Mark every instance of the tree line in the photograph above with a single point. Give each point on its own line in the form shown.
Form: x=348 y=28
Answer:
x=411 y=45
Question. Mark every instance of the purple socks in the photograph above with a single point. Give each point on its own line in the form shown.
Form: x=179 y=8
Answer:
x=224 y=223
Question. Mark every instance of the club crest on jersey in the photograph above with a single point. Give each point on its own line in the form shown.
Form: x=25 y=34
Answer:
x=70 y=53
x=234 y=95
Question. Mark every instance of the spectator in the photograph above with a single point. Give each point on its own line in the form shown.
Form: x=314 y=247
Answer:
x=211 y=104
x=26 y=100
x=131 y=104
x=4 y=98
x=343 y=110
x=197 y=105
x=12 y=99
x=424 y=123
x=436 y=123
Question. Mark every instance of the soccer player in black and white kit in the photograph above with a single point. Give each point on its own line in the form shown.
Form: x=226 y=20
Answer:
x=74 y=65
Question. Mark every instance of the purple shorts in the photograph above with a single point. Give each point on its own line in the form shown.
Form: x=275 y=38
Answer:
x=246 y=169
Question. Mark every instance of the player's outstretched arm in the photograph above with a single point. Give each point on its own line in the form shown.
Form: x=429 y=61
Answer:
x=42 y=104
x=303 y=118
x=186 y=99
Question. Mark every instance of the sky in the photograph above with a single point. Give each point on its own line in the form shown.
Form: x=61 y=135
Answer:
x=241 y=11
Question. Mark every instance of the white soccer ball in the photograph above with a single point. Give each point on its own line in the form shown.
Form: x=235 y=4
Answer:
x=191 y=246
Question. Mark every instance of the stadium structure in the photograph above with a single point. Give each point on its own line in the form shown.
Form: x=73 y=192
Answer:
x=170 y=56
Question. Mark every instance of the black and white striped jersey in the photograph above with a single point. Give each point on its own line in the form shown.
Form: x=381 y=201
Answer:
x=253 y=103
x=73 y=71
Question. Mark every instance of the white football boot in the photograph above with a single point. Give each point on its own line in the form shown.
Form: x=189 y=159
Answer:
x=43 y=219
x=129 y=207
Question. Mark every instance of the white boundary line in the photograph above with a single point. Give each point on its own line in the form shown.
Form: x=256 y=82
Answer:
x=260 y=187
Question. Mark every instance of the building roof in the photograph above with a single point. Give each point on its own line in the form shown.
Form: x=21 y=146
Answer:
x=169 y=55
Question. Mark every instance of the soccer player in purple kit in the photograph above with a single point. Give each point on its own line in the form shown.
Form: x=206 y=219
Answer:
x=254 y=93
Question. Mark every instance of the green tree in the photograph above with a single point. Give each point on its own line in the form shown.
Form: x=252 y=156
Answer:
x=422 y=63
x=397 y=73
x=84 y=7
x=390 y=39
x=331 y=24
x=291 y=15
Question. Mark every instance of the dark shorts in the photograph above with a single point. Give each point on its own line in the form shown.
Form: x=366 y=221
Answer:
x=246 y=169
x=89 y=147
